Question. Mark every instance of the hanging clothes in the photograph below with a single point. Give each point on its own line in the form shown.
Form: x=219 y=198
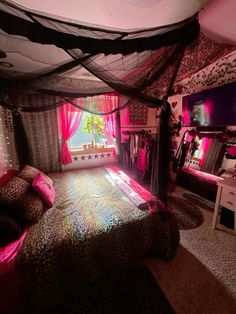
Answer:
x=142 y=161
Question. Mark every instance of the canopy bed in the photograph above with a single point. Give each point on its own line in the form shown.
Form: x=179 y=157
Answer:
x=89 y=233
x=94 y=229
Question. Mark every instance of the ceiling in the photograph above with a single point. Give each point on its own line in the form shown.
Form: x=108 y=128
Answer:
x=118 y=13
x=217 y=17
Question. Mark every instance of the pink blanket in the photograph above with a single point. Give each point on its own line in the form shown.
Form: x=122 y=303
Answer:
x=9 y=293
x=8 y=254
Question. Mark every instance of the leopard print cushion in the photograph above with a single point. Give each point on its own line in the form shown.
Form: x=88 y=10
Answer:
x=21 y=201
x=33 y=207
x=13 y=191
x=28 y=173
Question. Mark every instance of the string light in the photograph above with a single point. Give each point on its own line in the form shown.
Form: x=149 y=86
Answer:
x=6 y=159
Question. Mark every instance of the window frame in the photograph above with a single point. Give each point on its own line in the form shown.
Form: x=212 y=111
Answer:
x=80 y=149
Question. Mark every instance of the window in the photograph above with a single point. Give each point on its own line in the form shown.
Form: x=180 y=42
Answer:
x=81 y=138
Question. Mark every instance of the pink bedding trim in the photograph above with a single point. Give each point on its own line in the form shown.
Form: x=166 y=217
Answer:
x=8 y=254
x=145 y=194
x=154 y=203
x=207 y=176
x=126 y=188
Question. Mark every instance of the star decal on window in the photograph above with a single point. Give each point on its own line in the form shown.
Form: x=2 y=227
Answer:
x=108 y=154
x=75 y=158
x=96 y=156
x=90 y=157
x=102 y=155
x=82 y=157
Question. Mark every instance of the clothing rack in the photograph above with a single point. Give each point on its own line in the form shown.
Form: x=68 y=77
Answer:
x=139 y=132
x=137 y=152
x=138 y=126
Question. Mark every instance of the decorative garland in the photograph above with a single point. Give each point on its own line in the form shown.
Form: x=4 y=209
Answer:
x=92 y=156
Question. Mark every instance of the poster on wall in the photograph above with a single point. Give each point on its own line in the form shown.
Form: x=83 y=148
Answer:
x=138 y=113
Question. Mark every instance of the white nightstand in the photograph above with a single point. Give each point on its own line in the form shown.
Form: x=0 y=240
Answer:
x=226 y=197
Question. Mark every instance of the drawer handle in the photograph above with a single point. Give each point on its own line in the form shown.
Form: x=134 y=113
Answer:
x=231 y=193
x=230 y=203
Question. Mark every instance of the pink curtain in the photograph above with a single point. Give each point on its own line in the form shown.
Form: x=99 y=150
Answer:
x=70 y=118
x=110 y=125
x=106 y=103
x=205 y=143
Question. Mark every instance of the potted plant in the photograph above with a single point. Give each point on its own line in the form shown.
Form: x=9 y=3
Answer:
x=93 y=125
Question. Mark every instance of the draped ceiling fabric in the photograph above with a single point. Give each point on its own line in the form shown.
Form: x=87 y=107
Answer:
x=197 y=56
x=49 y=49
x=60 y=57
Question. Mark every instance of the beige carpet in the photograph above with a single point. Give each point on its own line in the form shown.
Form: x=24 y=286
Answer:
x=202 y=276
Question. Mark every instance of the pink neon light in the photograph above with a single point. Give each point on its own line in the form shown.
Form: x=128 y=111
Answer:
x=208 y=107
x=186 y=117
x=203 y=175
x=205 y=143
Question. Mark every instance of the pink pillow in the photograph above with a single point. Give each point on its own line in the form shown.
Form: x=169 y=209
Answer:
x=7 y=177
x=43 y=185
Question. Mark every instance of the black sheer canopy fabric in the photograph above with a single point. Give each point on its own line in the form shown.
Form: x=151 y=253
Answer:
x=105 y=60
x=72 y=60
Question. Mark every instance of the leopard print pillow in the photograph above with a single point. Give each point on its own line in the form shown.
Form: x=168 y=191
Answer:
x=13 y=191
x=21 y=201
x=28 y=173
x=33 y=207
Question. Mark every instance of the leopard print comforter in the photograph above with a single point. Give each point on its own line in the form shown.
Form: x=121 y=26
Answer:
x=92 y=231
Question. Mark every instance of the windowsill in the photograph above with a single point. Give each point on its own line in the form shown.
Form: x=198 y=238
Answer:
x=81 y=151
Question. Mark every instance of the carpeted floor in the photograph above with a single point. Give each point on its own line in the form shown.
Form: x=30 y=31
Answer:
x=202 y=276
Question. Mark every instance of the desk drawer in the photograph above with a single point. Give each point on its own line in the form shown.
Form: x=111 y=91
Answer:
x=228 y=199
